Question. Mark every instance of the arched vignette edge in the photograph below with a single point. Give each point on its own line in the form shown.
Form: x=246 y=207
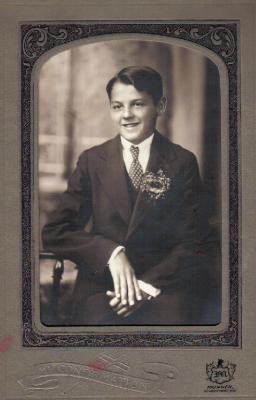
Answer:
x=37 y=39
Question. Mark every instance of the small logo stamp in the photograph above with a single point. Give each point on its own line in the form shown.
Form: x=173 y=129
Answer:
x=220 y=373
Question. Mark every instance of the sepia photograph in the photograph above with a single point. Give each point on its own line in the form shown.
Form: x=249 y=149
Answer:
x=130 y=192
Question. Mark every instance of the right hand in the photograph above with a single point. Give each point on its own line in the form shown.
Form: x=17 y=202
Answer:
x=128 y=309
x=125 y=283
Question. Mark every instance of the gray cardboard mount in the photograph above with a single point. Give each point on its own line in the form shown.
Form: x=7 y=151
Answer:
x=159 y=372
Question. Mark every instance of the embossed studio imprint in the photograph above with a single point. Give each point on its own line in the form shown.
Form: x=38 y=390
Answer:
x=64 y=377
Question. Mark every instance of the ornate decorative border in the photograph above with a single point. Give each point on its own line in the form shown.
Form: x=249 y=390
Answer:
x=36 y=40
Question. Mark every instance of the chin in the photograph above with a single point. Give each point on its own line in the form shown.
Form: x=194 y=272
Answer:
x=133 y=137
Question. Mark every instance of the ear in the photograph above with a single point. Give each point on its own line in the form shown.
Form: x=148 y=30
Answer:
x=161 y=107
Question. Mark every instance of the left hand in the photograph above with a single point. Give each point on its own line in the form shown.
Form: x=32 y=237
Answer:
x=125 y=310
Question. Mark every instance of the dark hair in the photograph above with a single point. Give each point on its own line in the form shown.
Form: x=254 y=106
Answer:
x=142 y=78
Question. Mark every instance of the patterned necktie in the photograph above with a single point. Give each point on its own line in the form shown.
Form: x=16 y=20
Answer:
x=136 y=170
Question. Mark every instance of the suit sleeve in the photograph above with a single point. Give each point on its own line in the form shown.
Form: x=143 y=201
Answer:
x=65 y=233
x=185 y=255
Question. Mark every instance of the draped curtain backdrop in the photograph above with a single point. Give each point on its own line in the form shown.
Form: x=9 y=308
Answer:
x=73 y=109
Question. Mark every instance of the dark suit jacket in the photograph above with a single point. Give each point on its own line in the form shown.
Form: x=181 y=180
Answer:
x=164 y=239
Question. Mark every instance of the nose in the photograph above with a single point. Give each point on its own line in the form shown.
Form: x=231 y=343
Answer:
x=127 y=112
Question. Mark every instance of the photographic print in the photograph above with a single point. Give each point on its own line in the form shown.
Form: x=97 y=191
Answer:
x=169 y=236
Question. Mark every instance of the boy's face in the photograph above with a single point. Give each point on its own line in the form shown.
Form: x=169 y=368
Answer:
x=134 y=113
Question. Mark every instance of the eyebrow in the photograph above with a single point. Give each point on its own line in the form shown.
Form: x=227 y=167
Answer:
x=118 y=101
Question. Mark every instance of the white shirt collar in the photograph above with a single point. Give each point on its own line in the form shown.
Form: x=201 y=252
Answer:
x=143 y=146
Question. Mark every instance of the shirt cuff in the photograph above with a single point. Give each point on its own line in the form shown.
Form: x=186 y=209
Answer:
x=115 y=252
x=149 y=289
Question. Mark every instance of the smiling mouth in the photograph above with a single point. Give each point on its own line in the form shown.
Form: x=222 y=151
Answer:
x=130 y=125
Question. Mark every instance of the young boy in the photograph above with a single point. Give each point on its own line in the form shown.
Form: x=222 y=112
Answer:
x=143 y=261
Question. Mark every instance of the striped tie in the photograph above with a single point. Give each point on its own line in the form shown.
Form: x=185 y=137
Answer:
x=136 y=170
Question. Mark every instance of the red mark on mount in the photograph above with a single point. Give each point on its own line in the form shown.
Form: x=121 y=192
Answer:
x=5 y=344
x=97 y=365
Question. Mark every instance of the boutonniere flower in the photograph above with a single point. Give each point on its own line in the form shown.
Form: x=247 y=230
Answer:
x=155 y=185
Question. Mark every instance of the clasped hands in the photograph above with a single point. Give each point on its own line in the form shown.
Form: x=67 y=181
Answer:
x=127 y=296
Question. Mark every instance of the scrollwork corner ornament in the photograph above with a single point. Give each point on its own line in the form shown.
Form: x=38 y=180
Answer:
x=39 y=39
x=36 y=38
x=220 y=37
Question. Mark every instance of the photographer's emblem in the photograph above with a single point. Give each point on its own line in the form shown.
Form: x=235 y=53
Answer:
x=220 y=372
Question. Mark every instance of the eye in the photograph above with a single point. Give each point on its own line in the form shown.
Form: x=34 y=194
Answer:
x=116 y=107
x=139 y=104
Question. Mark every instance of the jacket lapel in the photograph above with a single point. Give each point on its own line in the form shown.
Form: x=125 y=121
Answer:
x=159 y=159
x=111 y=172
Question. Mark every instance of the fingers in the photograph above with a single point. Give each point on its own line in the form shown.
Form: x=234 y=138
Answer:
x=137 y=290
x=110 y=293
x=114 y=303
x=128 y=313
x=127 y=310
x=123 y=310
x=133 y=293
x=131 y=290
x=123 y=289
x=119 y=306
x=116 y=282
x=125 y=283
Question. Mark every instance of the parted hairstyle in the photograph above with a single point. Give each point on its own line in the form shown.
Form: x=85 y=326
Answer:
x=142 y=78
